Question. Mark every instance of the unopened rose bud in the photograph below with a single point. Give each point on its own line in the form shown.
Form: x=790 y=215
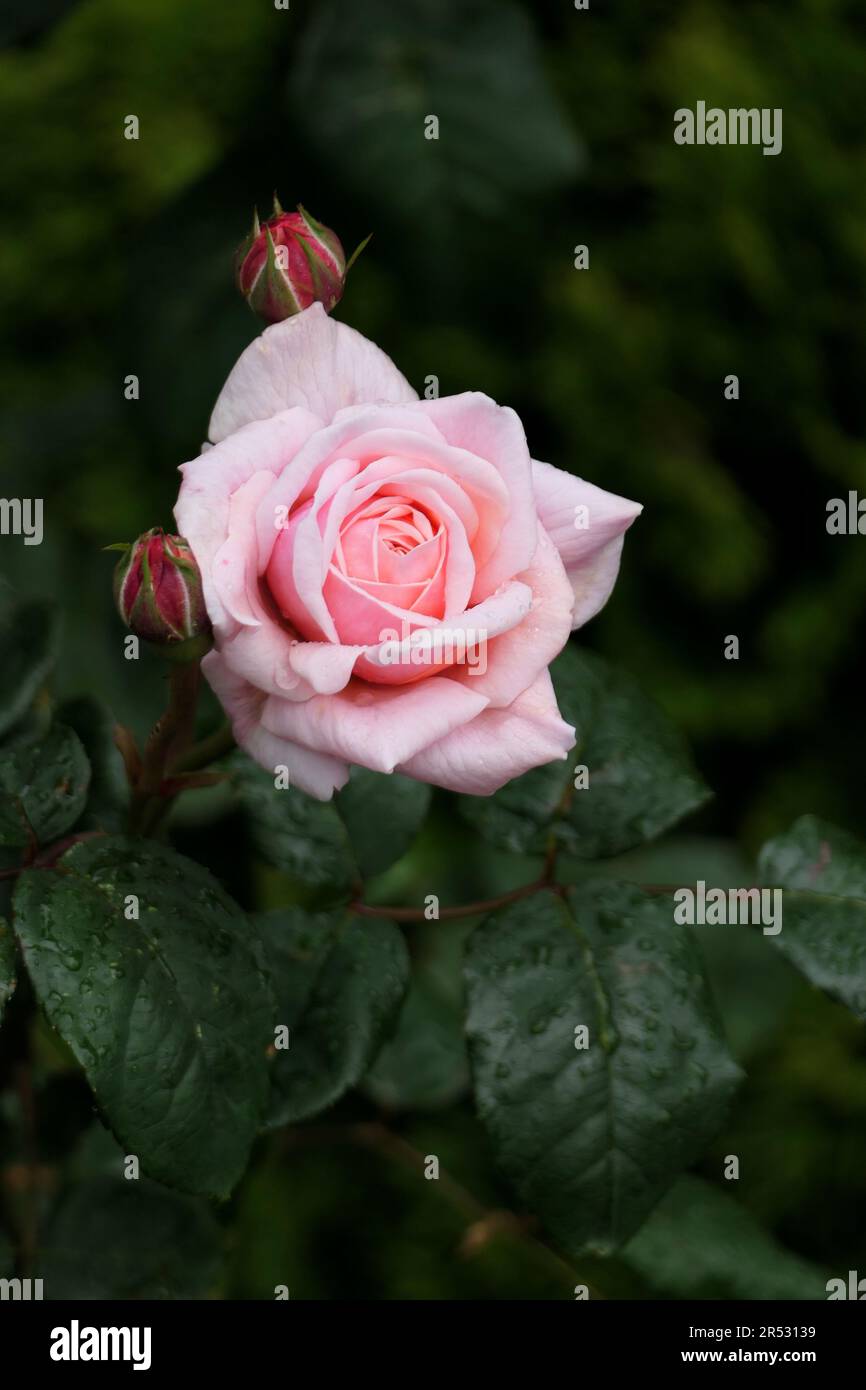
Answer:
x=158 y=590
x=289 y=263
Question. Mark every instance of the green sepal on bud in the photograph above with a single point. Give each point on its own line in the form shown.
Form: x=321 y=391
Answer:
x=159 y=595
x=288 y=263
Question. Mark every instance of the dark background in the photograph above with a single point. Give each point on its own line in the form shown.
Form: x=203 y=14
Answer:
x=556 y=129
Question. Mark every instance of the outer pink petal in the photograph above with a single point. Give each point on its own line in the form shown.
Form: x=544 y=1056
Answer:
x=591 y=555
x=480 y=757
x=262 y=656
x=276 y=663
x=375 y=728
x=474 y=422
x=310 y=360
x=517 y=658
x=233 y=569
x=315 y=773
x=209 y=482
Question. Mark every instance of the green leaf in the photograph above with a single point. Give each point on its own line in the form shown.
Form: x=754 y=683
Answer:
x=382 y=815
x=424 y=1066
x=816 y=856
x=825 y=939
x=28 y=643
x=700 y=1243
x=107 y=797
x=7 y=964
x=15 y=833
x=338 y=982
x=592 y=1136
x=116 y=1239
x=367 y=826
x=292 y=831
x=368 y=77
x=822 y=870
x=48 y=779
x=641 y=779
x=168 y=1015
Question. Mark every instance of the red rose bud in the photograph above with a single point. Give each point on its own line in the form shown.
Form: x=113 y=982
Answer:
x=288 y=264
x=158 y=591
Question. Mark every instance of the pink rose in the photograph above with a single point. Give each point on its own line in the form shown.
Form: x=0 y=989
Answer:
x=388 y=578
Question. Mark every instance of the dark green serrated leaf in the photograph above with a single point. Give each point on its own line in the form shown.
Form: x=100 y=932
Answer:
x=48 y=779
x=116 y=1239
x=28 y=644
x=825 y=939
x=591 y=1137
x=382 y=815
x=338 y=982
x=7 y=964
x=293 y=831
x=822 y=870
x=168 y=1015
x=700 y=1243
x=816 y=856
x=641 y=777
x=424 y=1066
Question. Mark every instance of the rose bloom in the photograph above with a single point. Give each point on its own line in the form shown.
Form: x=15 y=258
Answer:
x=334 y=510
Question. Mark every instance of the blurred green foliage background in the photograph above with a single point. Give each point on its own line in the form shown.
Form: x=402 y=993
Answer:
x=556 y=129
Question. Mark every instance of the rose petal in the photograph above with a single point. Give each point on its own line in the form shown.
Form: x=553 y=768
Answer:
x=276 y=663
x=326 y=668
x=209 y=481
x=233 y=569
x=309 y=360
x=315 y=773
x=325 y=605
x=517 y=657
x=472 y=421
x=376 y=728
x=502 y=611
x=590 y=554
x=301 y=479
x=262 y=656
x=480 y=757
x=477 y=478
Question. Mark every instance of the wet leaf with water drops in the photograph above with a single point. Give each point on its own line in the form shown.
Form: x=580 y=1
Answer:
x=822 y=871
x=292 y=831
x=48 y=779
x=338 y=983
x=639 y=780
x=592 y=1127
x=168 y=1012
